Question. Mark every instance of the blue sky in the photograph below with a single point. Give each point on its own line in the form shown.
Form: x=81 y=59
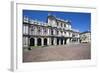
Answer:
x=80 y=21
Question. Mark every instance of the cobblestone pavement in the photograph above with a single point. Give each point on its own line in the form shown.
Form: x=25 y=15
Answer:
x=58 y=53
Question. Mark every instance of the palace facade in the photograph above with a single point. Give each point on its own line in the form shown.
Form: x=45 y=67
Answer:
x=54 y=31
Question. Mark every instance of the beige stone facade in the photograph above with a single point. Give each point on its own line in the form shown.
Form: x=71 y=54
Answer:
x=54 y=31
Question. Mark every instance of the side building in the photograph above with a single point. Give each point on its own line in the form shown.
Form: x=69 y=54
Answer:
x=85 y=37
x=54 y=31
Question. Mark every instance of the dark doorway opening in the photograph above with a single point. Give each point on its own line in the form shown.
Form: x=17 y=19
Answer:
x=57 y=41
x=61 y=41
x=39 y=41
x=45 y=41
x=65 y=41
x=52 y=41
x=32 y=42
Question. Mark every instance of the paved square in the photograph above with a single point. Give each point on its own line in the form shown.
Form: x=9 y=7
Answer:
x=58 y=53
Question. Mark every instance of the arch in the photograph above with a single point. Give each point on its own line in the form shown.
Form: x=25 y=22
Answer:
x=45 y=41
x=52 y=40
x=65 y=41
x=57 y=41
x=61 y=41
x=32 y=41
x=39 y=41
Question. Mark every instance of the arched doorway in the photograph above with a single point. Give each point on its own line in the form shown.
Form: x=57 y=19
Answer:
x=52 y=40
x=57 y=41
x=65 y=41
x=61 y=41
x=39 y=41
x=45 y=41
x=32 y=42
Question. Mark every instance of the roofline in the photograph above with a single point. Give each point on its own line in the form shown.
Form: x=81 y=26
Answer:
x=85 y=32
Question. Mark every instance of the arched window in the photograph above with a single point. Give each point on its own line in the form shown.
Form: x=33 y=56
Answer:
x=45 y=30
x=64 y=25
x=61 y=24
x=57 y=32
x=39 y=29
x=32 y=30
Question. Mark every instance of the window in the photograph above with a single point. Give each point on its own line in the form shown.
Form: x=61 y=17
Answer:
x=32 y=28
x=45 y=30
x=73 y=35
x=61 y=32
x=25 y=29
x=65 y=32
x=39 y=30
x=57 y=23
x=61 y=24
x=51 y=31
x=64 y=25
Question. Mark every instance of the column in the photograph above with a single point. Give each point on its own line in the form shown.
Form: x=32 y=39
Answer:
x=59 y=41
x=35 y=30
x=53 y=31
x=28 y=43
x=55 y=41
x=78 y=41
x=48 y=31
x=35 y=41
x=48 y=41
x=42 y=41
x=42 y=31
x=26 y=40
x=63 y=41
x=68 y=40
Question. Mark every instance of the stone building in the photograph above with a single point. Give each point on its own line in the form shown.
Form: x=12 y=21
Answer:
x=85 y=37
x=54 y=31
